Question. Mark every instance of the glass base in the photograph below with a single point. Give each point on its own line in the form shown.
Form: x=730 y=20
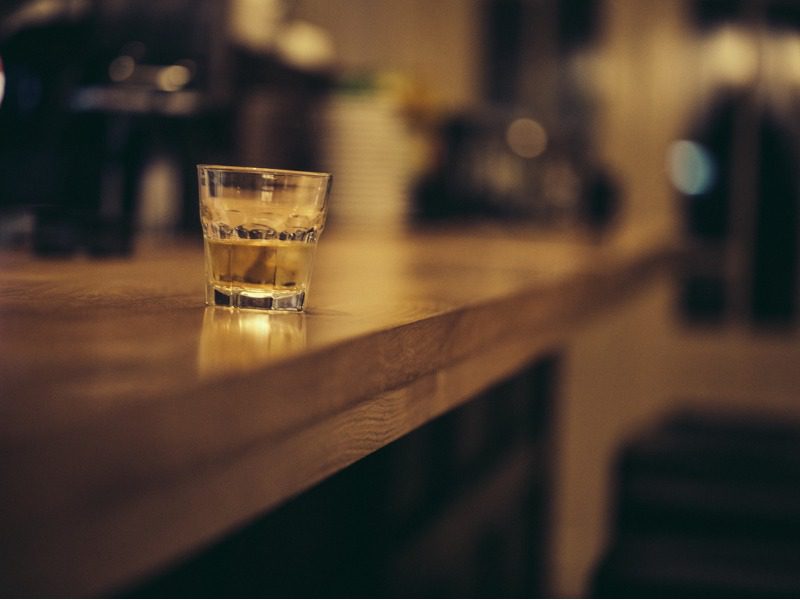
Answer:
x=290 y=300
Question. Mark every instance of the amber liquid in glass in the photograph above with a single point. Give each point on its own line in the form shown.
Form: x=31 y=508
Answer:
x=258 y=269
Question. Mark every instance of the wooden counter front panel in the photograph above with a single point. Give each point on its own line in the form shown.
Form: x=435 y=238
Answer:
x=457 y=508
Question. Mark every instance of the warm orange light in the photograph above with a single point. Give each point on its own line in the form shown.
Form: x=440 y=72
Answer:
x=733 y=55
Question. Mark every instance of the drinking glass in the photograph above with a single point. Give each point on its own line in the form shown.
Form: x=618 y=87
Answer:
x=260 y=229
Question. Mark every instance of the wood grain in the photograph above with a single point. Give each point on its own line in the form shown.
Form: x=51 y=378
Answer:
x=137 y=425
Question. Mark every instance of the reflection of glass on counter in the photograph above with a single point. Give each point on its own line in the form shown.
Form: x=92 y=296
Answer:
x=234 y=341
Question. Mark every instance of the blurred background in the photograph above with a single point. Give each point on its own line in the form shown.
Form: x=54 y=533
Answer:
x=676 y=117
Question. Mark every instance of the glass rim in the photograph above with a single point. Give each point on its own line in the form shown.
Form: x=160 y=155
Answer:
x=264 y=170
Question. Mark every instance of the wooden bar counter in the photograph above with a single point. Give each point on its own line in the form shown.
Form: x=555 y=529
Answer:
x=137 y=426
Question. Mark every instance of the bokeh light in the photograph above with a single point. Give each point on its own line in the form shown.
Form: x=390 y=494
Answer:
x=526 y=138
x=690 y=167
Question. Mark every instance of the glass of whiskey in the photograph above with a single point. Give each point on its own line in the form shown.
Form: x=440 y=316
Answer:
x=260 y=230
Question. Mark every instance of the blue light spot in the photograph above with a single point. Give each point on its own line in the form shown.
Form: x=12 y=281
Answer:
x=690 y=167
